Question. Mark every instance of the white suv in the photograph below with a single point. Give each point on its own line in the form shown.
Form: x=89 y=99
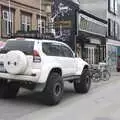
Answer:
x=41 y=65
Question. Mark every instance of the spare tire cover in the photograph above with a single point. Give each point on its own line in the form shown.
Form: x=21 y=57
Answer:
x=15 y=62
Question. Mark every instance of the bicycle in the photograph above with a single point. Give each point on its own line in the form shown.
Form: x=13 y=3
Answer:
x=101 y=72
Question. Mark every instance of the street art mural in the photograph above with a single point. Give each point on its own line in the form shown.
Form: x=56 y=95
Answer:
x=64 y=18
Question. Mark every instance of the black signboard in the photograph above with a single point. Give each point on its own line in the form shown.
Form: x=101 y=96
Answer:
x=91 y=25
x=64 y=13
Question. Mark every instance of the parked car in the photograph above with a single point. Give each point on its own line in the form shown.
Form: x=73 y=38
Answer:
x=41 y=65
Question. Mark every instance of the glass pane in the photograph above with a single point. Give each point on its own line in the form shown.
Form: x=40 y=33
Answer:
x=23 y=27
x=43 y=24
x=28 y=27
x=23 y=19
x=25 y=46
x=116 y=6
x=4 y=27
x=28 y=20
x=43 y=30
x=112 y=5
x=9 y=28
x=5 y=15
x=50 y=49
x=67 y=52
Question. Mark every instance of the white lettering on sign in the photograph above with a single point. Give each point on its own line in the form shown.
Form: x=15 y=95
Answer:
x=95 y=41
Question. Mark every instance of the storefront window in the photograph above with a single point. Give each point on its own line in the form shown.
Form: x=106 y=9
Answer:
x=112 y=56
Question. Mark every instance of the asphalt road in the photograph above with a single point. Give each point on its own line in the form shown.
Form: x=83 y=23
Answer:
x=101 y=103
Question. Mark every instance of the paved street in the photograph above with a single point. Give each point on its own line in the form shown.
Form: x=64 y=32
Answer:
x=102 y=103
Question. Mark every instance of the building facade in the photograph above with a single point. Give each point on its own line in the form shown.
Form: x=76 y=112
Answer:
x=83 y=31
x=108 y=10
x=25 y=15
x=91 y=37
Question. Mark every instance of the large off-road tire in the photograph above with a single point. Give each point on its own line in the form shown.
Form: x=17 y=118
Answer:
x=54 y=89
x=83 y=85
x=9 y=90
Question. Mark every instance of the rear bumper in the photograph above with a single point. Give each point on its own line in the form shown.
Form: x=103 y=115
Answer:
x=32 y=78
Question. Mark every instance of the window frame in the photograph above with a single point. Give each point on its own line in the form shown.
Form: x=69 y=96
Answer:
x=114 y=8
x=40 y=25
x=25 y=23
x=72 y=54
x=58 y=46
x=116 y=30
x=61 y=52
x=8 y=22
x=111 y=28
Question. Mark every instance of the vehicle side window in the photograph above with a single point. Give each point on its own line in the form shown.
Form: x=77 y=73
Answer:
x=51 y=49
x=67 y=52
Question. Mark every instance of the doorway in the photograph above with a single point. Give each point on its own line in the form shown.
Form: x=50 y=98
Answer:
x=90 y=54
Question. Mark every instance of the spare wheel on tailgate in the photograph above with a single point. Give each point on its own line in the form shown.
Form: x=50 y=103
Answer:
x=16 y=61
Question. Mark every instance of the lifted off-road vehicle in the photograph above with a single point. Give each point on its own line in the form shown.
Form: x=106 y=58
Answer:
x=41 y=65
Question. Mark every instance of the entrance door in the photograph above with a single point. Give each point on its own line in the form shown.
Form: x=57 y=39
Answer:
x=90 y=54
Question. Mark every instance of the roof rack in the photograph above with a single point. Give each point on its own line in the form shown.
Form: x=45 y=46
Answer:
x=33 y=34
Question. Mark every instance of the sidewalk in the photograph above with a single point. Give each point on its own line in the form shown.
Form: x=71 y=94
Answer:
x=115 y=76
x=115 y=73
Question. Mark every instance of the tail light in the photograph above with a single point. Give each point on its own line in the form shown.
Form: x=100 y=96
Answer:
x=36 y=56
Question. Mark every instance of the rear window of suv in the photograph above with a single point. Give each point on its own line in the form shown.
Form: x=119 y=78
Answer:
x=24 y=46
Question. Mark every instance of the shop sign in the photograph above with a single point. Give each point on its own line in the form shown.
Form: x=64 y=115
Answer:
x=91 y=25
x=95 y=41
x=83 y=24
x=63 y=23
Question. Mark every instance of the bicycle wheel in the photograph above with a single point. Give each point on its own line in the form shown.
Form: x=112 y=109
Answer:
x=106 y=75
x=96 y=77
